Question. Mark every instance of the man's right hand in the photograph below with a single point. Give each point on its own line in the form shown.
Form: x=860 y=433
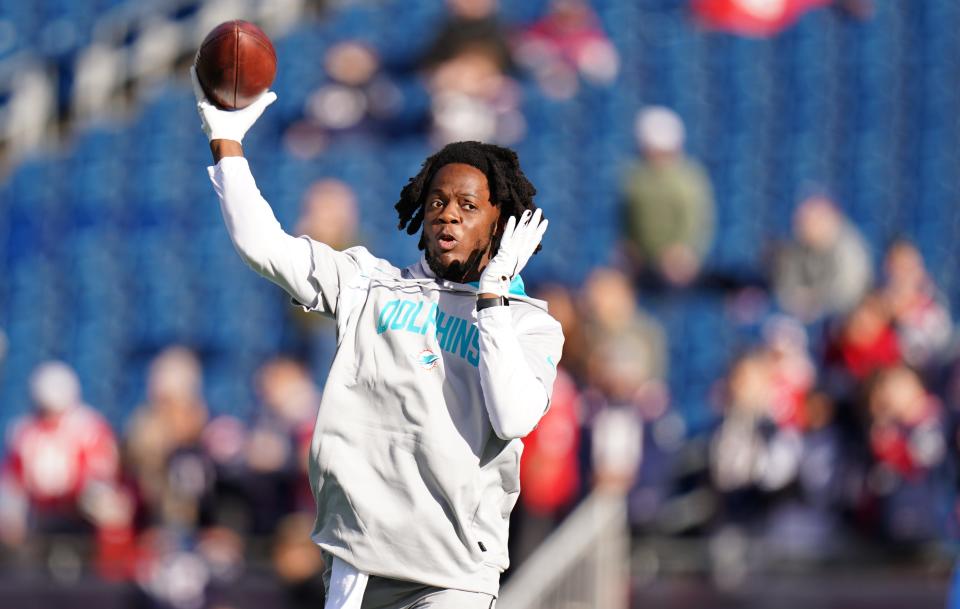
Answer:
x=229 y=125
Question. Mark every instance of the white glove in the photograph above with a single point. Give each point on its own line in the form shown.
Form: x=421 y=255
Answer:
x=519 y=241
x=228 y=124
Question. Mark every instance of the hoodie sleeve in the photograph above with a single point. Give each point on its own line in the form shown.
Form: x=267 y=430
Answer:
x=310 y=271
x=518 y=364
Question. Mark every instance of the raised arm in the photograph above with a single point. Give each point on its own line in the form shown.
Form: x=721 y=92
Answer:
x=254 y=230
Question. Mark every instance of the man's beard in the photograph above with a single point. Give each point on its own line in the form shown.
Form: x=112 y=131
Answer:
x=457 y=271
x=460 y=272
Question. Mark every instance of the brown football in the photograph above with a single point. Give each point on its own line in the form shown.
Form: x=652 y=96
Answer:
x=235 y=64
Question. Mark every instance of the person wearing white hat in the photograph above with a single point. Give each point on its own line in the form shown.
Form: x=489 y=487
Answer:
x=669 y=202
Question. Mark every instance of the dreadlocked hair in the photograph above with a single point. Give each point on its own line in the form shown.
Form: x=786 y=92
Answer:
x=510 y=190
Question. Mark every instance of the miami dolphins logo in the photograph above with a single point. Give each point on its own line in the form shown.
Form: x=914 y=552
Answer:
x=428 y=360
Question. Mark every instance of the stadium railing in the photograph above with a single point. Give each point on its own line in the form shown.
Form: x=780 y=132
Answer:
x=584 y=564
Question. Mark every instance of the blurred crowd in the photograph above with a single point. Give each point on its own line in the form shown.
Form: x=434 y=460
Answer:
x=835 y=425
x=464 y=86
x=173 y=500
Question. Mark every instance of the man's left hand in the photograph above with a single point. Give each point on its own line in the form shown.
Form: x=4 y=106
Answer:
x=520 y=239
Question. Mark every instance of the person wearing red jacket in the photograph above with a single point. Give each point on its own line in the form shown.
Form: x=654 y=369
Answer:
x=867 y=341
x=58 y=459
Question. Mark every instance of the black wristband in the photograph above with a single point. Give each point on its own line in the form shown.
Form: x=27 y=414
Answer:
x=486 y=303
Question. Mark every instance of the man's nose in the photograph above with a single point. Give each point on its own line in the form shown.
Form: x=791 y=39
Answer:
x=450 y=213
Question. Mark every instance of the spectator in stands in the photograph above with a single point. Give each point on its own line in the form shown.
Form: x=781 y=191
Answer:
x=907 y=435
x=568 y=41
x=279 y=442
x=626 y=355
x=172 y=470
x=473 y=98
x=225 y=440
x=467 y=73
x=777 y=477
x=61 y=459
x=860 y=346
x=748 y=435
x=826 y=270
x=922 y=321
x=329 y=215
x=357 y=97
x=471 y=25
x=792 y=370
x=669 y=202
x=864 y=343
x=616 y=445
x=626 y=367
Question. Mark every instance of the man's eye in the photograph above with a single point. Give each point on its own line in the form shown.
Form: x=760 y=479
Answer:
x=469 y=206
x=436 y=203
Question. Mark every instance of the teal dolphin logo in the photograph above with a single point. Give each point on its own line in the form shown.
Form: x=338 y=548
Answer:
x=428 y=360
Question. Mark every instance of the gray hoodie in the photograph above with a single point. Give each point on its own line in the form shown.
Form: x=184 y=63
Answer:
x=415 y=459
x=410 y=480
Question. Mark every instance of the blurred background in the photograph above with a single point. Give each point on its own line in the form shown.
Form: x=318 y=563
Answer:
x=752 y=250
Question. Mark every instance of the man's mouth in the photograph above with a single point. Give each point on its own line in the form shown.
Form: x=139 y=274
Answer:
x=446 y=241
